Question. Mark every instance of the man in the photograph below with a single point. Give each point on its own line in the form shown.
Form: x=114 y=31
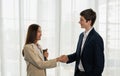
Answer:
x=89 y=55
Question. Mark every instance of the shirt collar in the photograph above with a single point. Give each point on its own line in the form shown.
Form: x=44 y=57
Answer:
x=86 y=33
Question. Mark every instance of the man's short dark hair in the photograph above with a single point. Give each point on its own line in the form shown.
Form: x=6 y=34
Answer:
x=89 y=14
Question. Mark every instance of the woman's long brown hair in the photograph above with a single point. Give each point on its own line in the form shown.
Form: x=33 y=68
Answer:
x=31 y=34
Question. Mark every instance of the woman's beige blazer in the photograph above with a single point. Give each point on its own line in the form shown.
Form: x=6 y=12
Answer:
x=35 y=61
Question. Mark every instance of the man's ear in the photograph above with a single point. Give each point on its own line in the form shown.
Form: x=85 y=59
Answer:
x=90 y=22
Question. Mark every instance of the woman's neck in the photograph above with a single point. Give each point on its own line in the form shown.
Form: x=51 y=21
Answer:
x=35 y=43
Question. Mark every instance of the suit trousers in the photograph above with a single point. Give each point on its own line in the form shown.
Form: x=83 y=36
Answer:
x=80 y=73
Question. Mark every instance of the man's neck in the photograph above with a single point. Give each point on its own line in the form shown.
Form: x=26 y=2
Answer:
x=87 y=29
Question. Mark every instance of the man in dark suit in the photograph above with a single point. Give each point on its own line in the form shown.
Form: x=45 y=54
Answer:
x=89 y=55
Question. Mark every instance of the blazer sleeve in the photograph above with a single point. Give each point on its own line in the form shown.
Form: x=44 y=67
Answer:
x=99 y=57
x=71 y=57
x=34 y=59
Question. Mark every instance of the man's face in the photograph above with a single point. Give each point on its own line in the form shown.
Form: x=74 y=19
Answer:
x=83 y=22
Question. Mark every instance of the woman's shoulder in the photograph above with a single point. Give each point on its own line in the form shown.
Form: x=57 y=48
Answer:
x=28 y=45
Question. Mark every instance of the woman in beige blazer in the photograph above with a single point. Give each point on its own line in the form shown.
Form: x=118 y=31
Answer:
x=33 y=54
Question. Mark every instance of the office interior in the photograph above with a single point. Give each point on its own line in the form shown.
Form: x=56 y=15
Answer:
x=60 y=32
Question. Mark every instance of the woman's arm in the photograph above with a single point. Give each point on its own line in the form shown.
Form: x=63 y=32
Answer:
x=34 y=59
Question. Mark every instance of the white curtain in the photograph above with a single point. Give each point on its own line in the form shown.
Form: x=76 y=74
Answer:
x=60 y=28
x=109 y=27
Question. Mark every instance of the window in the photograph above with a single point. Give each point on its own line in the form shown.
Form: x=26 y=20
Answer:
x=109 y=21
x=60 y=32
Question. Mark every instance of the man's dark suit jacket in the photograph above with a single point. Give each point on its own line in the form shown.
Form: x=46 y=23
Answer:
x=92 y=56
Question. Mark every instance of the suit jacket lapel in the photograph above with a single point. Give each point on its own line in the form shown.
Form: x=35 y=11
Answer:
x=40 y=54
x=80 y=43
x=88 y=38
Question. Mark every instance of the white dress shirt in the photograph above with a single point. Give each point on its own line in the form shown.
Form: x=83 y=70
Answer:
x=80 y=66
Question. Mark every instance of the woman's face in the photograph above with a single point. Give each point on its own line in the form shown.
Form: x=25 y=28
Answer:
x=39 y=33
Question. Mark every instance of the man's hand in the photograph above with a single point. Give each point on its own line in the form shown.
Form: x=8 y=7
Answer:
x=63 y=58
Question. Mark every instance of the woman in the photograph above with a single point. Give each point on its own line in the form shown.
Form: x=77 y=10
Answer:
x=33 y=54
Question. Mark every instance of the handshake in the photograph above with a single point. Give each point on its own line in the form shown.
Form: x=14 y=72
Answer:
x=62 y=58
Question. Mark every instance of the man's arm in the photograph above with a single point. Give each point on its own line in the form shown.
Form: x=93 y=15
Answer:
x=68 y=58
x=99 y=57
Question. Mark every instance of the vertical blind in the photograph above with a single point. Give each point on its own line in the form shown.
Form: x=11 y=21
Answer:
x=60 y=32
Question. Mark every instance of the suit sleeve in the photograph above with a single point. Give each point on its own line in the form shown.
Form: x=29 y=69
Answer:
x=72 y=57
x=31 y=57
x=99 y=57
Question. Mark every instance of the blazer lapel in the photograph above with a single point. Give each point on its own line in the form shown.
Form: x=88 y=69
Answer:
x=88 y=38
x=80 y=43
x=40 y=54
